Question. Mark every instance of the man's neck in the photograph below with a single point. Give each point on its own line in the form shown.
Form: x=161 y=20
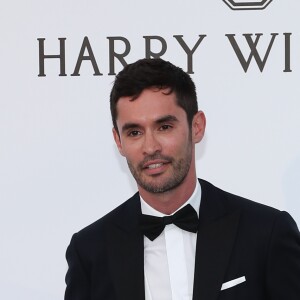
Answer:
x=168 y=202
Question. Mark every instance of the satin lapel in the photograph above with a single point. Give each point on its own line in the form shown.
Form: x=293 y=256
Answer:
x=126 y=253
x=215 y=239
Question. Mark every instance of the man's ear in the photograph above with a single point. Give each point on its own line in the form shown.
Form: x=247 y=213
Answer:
x=118 y=141
x=198 y=126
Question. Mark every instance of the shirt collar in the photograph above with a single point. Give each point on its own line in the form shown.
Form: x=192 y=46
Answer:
x=194 y=201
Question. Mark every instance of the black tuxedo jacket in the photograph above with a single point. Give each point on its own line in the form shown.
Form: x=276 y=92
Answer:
x=236 y=237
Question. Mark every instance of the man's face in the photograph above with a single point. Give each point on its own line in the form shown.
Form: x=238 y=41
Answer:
x=155 y=138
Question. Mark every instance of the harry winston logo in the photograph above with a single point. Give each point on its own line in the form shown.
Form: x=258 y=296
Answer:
x=247 y=4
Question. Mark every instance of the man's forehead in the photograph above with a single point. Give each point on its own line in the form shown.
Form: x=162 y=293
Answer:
x=148 y=103
x=147 y=110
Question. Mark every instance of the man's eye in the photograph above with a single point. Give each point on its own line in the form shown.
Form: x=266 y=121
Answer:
x=165 y=127
x=134 y=133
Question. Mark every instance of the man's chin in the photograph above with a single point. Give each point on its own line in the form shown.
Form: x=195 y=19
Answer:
x=159 y=187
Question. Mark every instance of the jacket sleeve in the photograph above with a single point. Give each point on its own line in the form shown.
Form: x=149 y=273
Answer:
x=77 y=280
x=283 y=261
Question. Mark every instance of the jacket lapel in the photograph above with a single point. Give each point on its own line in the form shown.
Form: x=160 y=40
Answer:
x=215 y=239
x=126 y=253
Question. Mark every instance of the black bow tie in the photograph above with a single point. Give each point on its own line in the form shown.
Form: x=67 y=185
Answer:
x=186 y=219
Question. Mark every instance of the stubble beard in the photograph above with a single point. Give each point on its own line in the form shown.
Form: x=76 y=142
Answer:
x=180 y=170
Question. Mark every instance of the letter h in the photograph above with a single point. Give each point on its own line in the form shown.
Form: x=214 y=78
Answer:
x=43 y=56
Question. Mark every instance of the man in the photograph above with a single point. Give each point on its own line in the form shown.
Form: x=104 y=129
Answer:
x=178 y=238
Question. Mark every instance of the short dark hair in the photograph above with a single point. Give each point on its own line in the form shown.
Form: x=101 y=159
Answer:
x=158 y=73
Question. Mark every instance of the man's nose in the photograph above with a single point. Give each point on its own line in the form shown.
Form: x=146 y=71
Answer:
x=151 y=144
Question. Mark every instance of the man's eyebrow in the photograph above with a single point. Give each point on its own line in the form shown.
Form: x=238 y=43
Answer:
x=163 y=119
x=127 y=126
x=167 y=118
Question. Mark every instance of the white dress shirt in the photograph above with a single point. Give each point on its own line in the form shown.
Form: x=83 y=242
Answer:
x=169 y=260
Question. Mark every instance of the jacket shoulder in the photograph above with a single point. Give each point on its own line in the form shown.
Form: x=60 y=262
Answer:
x=228 y=202
x=118 y=214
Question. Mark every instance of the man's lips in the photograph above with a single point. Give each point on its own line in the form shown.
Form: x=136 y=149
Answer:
x=155 y=168
x=154 y=164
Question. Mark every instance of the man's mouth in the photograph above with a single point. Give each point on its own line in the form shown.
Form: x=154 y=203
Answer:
x=154 y=166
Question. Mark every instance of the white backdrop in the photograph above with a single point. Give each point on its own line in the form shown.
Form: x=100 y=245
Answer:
x=59 y=167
